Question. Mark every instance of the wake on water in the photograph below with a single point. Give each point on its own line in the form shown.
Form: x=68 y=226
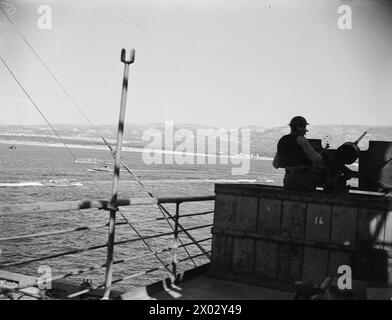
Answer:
x=79 y=184
x=40 y=184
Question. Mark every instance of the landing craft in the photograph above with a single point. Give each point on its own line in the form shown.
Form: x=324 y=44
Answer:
x=104 y=168
x=88 y=161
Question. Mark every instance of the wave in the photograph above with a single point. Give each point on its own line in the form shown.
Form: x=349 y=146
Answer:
x=22 y=184
x=60 y=183
x=40 y=184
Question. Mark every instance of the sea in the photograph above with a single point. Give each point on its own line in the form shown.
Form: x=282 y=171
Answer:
x=45 y=173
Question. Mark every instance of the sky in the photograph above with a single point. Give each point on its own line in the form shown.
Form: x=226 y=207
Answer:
x=221 y=63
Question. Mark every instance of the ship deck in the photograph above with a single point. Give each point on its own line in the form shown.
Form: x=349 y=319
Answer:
x=198 y=284
x=204 y=287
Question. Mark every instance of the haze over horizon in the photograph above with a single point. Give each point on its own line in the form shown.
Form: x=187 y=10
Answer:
x=186 y=124
x=215 y=63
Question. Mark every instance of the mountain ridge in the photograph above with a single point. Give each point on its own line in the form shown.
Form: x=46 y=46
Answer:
x=262 y=140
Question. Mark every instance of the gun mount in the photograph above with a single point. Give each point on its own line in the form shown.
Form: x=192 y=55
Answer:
x=374 y=166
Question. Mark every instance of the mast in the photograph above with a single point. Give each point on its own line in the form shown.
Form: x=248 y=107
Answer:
x=116 y=174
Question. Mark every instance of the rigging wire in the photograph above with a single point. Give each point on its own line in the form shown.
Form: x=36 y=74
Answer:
x=145 y=242
x=161 y=208
x=38 y=109
x=73 y=157
x=46 y=67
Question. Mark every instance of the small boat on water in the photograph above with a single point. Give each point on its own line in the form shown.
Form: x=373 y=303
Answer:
x=12 y=147
x=103 y=168
x=88 y=161
x=62 y=183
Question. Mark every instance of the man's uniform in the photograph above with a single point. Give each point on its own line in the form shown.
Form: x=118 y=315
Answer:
x=297 y=156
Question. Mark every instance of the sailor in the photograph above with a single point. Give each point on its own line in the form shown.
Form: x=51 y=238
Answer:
x=297 y=156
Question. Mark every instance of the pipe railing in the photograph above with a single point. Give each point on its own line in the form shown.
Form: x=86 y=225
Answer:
x=100 y=266
x=92 y=227
x=104 y=204
x=40 y=207
x=79 y=293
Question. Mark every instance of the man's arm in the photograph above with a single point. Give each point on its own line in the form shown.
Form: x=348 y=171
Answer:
x=275 y=163
x=311 y=154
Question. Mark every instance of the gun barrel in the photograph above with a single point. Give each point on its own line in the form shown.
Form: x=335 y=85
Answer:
x=361 y=137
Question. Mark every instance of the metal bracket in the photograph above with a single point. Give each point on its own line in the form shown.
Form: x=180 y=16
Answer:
x=131 y=58
x=111 y=207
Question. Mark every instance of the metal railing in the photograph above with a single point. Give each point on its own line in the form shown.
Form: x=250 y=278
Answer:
x=112 y=207
x=177 y=229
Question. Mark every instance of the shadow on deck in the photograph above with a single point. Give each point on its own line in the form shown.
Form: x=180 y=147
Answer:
x=196 y=284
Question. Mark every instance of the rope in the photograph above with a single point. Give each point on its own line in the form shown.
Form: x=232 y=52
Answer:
x=35 y=105
x=46 y=67
x=144 y=241
x=160 y=219
x=161 y=208
x=126 y=167
x=53 y=76
x=87 y=119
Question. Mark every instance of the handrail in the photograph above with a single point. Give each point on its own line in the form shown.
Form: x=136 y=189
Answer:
x=93 y=204
x=75 y=272
x=106 y=205
x=79 y=293
x=57 y=255
x=92 y=227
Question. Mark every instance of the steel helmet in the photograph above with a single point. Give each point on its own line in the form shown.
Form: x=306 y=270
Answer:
x=298 y=121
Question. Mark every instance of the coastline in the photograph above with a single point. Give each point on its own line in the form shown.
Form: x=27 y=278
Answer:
x=125 y=149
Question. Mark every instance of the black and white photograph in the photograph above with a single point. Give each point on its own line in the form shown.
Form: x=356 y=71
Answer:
x=202 y=152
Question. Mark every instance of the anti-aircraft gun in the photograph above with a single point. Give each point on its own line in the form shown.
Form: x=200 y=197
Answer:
x=374 y=173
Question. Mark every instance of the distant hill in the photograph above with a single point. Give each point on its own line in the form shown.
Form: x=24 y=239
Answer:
x=254 y=128
x=263 y=141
